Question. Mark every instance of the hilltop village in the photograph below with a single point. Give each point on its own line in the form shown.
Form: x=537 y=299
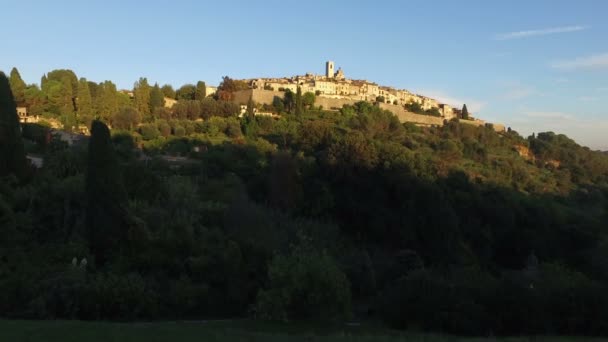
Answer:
x=334 y=89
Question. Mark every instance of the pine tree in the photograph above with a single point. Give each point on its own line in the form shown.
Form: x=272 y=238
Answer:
x=141 y=93
x=106 y=215
x=18 y=87
x=201 y=91
x=84 y=103
x=157 y=98
x=465 y=112
x=299 y=105
x=12 y=153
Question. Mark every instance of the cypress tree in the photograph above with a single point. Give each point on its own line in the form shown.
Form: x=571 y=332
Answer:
x=250 y=108
x=299 y=105
x=106 y=101
x=201 y=91
x=465 y=112
x=141 y=94
x=85 y=102
x=106 y=214
x=157 y=98
x=12 y=153
x=18 y=87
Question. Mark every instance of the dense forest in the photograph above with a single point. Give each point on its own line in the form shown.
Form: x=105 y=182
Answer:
x=194 y=212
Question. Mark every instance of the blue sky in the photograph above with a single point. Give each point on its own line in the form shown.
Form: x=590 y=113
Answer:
x=532 y=65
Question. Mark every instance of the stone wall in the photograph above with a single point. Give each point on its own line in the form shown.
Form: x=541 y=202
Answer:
x=262 y=96
x=405 y=116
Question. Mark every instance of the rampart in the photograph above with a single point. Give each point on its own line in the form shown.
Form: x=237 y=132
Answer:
x=405 y=116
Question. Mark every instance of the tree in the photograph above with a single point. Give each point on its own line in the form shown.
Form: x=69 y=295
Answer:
x=106 y=196
x=107 y=101
x=17 y=87
x=168 y=91
x=465 y=112
x=126 y=118
x=226 y=89
x=157 y=99
x=84 y=104
x=141 y=96
x=186 y=92
x=278 y=104
x=34 y=100
x=299 y=105
x=308 y=100
x=288 y=100
x=250 y=108
x=201 y=91
x=12 y=153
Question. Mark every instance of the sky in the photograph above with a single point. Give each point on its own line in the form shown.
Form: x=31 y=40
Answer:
x=535 y=66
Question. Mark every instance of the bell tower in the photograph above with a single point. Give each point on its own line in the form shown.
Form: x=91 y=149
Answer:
x=329 y=69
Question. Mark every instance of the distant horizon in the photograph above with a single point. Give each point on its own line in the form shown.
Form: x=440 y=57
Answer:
x=516 y=63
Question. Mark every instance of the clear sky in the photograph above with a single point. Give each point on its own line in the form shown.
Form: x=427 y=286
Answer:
x=532 y=65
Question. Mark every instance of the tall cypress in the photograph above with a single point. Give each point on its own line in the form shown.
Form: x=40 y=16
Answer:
x=106 y=214
x=465 y=112
x=157 y=99
x=84 y=102
x=141 y=94
x=299 y=105
x=18 y=87
x=12 y=152
x=201 y=91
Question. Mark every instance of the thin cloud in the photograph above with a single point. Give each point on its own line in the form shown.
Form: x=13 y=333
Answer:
x=542 y=32
x=549 y=115
x=515 y=90
x=590 y=62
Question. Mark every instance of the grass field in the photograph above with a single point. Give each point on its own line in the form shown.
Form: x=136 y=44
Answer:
x=246 y=331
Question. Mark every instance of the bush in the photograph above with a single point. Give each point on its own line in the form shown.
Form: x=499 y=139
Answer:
x=149 y=131
x=305 y=284
x=179 y=131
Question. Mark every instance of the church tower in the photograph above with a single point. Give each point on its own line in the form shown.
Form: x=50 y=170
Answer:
x=329 y=69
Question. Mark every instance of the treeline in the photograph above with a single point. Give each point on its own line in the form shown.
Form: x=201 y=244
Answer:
x=317 y=216
x=76 y=102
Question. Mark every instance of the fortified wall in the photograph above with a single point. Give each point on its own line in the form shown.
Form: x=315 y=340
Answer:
x=267 y=96
x=405 y=116
x=262 y=96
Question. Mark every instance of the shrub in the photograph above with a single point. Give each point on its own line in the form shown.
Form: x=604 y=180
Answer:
x=305 y=284
x=149 y=131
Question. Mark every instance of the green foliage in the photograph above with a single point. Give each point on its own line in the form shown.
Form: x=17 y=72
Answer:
x=149 y=131
x=465 y=112
x=186 y=92
x=168 y=91
x=126 y=118
x=414 y=107
x=306 y=284
x=201 y=91
x=106 y=213
x=142 y=97
x=12 y=153
x=157 y=99
x=17 y=87
x=308 y=100
x=298 y=102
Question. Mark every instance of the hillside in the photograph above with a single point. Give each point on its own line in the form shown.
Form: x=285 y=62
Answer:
x=318 y=215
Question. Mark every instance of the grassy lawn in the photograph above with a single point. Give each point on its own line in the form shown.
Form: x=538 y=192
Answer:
x=66 y=331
